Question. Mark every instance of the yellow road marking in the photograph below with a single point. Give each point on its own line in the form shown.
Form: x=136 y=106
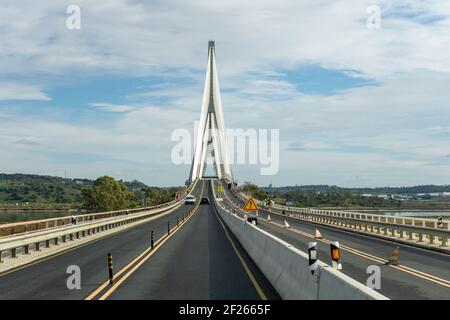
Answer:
x=409 y=270
x=106 y=283
x=85 y=243
x=244 y=264
x=161 y=241
x=412 y=271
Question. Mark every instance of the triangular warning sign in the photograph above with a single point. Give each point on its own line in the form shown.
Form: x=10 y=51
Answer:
x=250 y=205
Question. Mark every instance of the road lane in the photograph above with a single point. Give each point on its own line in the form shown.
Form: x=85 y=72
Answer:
x=395 y=284
x=47 y=279
x=198 y=262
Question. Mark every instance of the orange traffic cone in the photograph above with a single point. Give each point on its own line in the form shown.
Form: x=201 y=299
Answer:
x=393 y=259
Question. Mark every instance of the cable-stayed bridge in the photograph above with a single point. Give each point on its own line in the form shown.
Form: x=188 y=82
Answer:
x=212 y=249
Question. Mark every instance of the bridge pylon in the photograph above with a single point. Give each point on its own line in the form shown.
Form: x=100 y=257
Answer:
x=211 y=137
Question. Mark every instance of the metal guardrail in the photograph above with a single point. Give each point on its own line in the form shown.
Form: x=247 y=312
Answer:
x=91 y=224
x=70 y=232
x=10 y=229
x=410 y=229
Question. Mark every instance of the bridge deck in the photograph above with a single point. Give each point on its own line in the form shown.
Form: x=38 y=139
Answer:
x=197 y=262
x=395 y=283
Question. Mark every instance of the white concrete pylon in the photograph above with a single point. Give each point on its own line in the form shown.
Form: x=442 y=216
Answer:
x=211 y=128
x=286 y=224
x=268 y=217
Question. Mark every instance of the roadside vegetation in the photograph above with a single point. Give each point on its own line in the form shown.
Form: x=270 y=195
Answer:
x=332 y=197
x=23 y=191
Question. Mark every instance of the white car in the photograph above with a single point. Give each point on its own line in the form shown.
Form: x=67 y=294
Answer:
x=190 y=199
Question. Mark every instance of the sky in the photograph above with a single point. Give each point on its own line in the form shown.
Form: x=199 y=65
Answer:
x=355 y=106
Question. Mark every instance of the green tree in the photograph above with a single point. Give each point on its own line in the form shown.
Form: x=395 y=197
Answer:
x=106 y=194
x=254 y=190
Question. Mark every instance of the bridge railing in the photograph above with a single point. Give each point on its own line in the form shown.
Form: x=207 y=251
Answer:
x=10 y=229
x=26 y=242
x=34 y=241
x=15 y=228
x=418 y=230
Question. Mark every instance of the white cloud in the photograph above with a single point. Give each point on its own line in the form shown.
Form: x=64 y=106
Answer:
x=402 y=120
x=112 y=107
x=20 y=91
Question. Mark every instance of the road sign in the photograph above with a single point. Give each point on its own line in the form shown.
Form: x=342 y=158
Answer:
x=219 y=188
x=250 y=205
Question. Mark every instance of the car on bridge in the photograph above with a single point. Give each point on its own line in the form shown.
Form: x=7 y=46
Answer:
x=190 y=199
x=205 y=200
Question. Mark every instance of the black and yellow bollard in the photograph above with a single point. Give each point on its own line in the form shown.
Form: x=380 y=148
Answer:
x=110 y=269
x=152 y=239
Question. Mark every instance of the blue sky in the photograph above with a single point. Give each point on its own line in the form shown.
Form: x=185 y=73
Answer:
x=355 y=107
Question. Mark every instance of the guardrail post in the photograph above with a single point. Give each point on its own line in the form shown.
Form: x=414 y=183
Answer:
x=47 y=243
x=431 y=239
x=13 y=253
x=410 y=235
x=27 y=249
x=56 y=240
x=151 y=239
x=37 y=246
x=110 y=269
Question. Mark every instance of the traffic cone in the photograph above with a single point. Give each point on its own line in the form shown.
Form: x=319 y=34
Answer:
x=393 y=259
x=286 y=224
x=268 y=217
x=318 y=235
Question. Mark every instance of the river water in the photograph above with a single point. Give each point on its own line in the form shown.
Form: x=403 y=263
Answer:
x=9 y=216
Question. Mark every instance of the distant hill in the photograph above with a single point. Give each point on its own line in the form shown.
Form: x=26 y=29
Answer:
x=41 y=191
x=377 y=190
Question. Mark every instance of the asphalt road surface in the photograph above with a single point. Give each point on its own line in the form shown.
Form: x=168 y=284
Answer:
x=197 y=261
x=422 y=274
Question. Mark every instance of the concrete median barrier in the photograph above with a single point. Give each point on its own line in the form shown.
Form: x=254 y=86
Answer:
x=287 y=268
